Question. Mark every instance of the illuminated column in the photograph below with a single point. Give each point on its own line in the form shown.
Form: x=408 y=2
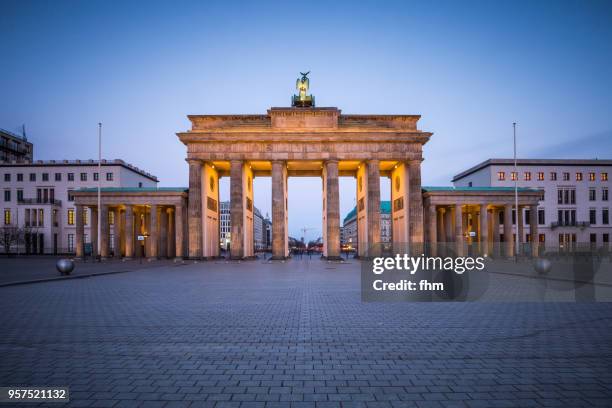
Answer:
x=448 y=225
x=373 y=207
x=104 y=232
x=180 y=239
x=494 y=237
x=533 y=229
x=210 y=211
x=80 y=231
x=484 y=230
x=441 y=227
x=93 y=230
x=162 y=250
x=247 y=189
x=331 y=210
x=459 y=245
x=279 y=210
x=129 y=231
x=415 y=205
x=399 y=208
x=195 y=208
x=520 y=229
x=237 y=209
x=170 y=241
x=508 y=238
x=153 y=232
x=118 y=227
x=432 y=228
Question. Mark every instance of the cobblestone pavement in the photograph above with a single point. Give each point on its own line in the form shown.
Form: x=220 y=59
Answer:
x=295 y=334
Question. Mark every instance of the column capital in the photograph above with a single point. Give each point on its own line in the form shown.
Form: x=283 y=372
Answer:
x=331 y=160
x=194 y=161
x=277 y=161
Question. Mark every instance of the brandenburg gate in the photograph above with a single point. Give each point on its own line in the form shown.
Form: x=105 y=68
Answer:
x=302 y=140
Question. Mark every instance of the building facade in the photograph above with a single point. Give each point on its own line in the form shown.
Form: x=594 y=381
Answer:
x=15 y=148
x=225 y=228
x=38 y=198
x=349 y=226
x=575 y=209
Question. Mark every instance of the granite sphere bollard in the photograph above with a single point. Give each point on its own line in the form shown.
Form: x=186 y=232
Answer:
x=65 y=266
x=542 y=266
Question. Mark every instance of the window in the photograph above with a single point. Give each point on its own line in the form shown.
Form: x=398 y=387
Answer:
x=542 y=238
x=58 y=176
x=96 y=177
x=54 y=217
x=553 y=176
x=140 y=184
x=7 y=217
x=83 y=176
x=604 y=176
x=605 y=216
x=591 y=176
x=605 y=238
x=578 y=176
x=541 y=216
x=527 y=176
x=70 y=195
x=592 y=216
x=566 y=217
x=45 y=177
x=7 y=176
x=32 y=176
x=70 y=242
x=71 y=216
x=470 y=184
x=514 y=176
x=19 y=176
x=7 y=195
x=566 y=196
x=111 y=218
x=566 y=176
x=592 y=194
x=604 y=194
x=540 y=175
x=593 y=238
x=85 y=217
x=19 y=195
x=109 y=176
x=41 y=217
x=70 y=176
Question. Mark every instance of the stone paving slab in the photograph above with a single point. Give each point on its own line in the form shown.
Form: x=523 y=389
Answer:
x=254 y=334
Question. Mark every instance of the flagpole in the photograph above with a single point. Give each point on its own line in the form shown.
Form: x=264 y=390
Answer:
x=99 y=188
x=516 y=207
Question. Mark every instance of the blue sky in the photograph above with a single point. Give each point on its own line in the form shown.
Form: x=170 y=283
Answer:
x=469 y=68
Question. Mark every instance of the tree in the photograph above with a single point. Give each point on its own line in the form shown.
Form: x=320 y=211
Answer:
x=10 y=236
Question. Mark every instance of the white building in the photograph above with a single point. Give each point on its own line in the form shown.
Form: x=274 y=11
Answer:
x=37 y=198
x=348 y=232
x=576 y=204
x=225 y=227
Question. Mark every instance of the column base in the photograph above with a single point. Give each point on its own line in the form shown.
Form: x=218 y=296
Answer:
x=332 y=258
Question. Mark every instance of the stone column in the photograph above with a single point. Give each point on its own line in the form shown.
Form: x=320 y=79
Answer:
x=117 y=237
x=373 y=207
x=170 y=241
x=153 y=233
x=332 y=209
x=93 y=230
x=415 y=199
x=459 y=244
x=236 y=210
x=162 y=250
x=441 y=230
x=448 y=225
x=508 y=238
x=104 y=232
x=195 y=209
x=520 y=229
x=129 y=231
x=533 y=229
x=178 y=222
x=432 y=228
x=80 y=231
x=139 y=220
x=484 y=230
x=278 y=210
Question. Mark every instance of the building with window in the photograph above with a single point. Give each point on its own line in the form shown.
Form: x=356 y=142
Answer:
x=38 y=198
x=348 y=231
x=576 y=204
x=15 y=148
x=261 y=228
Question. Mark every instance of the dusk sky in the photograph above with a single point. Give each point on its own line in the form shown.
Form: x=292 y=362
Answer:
x=469 y=68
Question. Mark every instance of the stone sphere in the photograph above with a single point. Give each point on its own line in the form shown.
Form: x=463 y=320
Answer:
x=65 y=266
x=542 y=266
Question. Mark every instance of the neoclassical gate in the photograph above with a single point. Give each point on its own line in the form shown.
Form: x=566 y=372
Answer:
x=302 y=141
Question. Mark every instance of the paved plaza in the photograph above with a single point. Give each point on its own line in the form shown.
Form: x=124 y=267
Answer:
x=296 y=334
